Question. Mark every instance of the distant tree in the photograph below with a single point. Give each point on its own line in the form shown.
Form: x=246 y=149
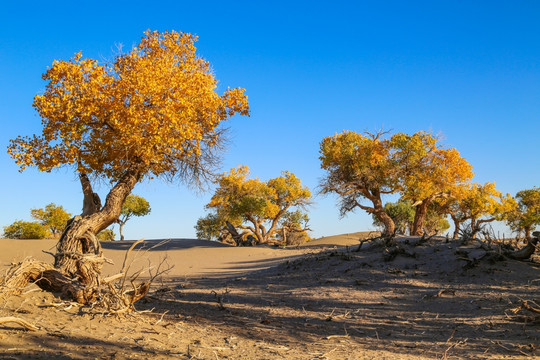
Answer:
x=210 y=227
x=294 y=228
x=151 y=112
x=360 y=167
x=479 y=204
x=53 y=217
x=427 y=172
x=402 y=212
x=526 y=215
x=255 y=206
x=25 y=230
x=106 y=235
x=134 y=205
x=366 y=167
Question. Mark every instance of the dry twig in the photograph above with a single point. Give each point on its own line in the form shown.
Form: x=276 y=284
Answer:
x=23 y=323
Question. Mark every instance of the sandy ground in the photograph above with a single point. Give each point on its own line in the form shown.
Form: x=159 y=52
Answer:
x=318 y=301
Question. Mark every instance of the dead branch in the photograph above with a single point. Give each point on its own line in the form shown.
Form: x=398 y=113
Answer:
x=23 y=323
x=525 y=252
x=391 y=252
x=386 y=239
x=526 y=305
x=524 y=316
x=424 y=238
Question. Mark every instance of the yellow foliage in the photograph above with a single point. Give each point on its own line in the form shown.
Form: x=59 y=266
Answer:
x=239 y=199
x=479 y=201
x=150 y=109
x=428 y=171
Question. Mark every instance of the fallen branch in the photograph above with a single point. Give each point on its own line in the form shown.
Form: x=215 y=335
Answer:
x=23 y=323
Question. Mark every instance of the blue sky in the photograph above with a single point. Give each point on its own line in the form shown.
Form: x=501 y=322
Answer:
x=467 y=70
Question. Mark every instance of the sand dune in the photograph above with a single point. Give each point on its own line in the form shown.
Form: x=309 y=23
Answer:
x=190 y=257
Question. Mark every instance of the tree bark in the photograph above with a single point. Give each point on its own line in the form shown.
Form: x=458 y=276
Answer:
x=48 y=279
x=527 y=230
x=78 y=243
x=388 y=223
x=419 y=218
x=121 y=226
x=457 y=226
x=382 y=216
x=91 y=201
x=525 y=252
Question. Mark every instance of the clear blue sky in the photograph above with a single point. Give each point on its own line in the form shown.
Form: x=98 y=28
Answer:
x=469 y=70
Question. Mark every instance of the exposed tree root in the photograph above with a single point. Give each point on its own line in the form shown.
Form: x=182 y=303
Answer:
x=47 y=278
x=525 y=252
x=88 y=288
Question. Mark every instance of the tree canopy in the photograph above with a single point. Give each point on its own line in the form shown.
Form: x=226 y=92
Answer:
x=526 y=215
x=53 y=217
x=359 y=167
x=254 y=205
x=369 y=166
x=134 y=205
x=153 y=110
x=479 y=204
x=25 y=230
x=427 y=171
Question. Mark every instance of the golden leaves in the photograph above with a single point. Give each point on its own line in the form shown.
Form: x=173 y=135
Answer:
x=237 y=196
x=410 y=164
x=152 y=107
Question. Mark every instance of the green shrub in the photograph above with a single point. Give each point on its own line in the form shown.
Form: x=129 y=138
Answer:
x=106 y=235
x=25 y=230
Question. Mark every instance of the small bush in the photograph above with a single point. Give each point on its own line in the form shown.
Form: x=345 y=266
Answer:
x=25 y=230
x=106 y=235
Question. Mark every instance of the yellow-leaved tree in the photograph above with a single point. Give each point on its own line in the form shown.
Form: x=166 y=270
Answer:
x=526 y=215
x=369 y=166
x=360 y=167
x=427 y=172
x=152 y=112
x=479 y=204
x=260 y=208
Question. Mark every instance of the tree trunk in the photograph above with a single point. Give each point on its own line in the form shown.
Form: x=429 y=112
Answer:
x=78 y=247
x=525 y=252
x=474 y=228
x=381 y=215
x=121 y=226
x=419 y=218
x=388 y=223
x=457 y=226
x=527 y=230
x=234 y=233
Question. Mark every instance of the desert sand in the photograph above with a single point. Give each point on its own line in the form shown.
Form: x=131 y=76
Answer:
x=321 y=300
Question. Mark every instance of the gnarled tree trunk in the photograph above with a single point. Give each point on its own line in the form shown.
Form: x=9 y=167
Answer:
x=386 y=220
x=78 y=260
x=419 y=218
x=379 y=212
x=457 y=226
x=526 y=251
x=78 y=241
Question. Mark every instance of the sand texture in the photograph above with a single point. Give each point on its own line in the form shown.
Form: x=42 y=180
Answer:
x=321 y=300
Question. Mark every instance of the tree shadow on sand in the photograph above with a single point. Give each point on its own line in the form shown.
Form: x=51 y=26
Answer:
x=430 y=305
